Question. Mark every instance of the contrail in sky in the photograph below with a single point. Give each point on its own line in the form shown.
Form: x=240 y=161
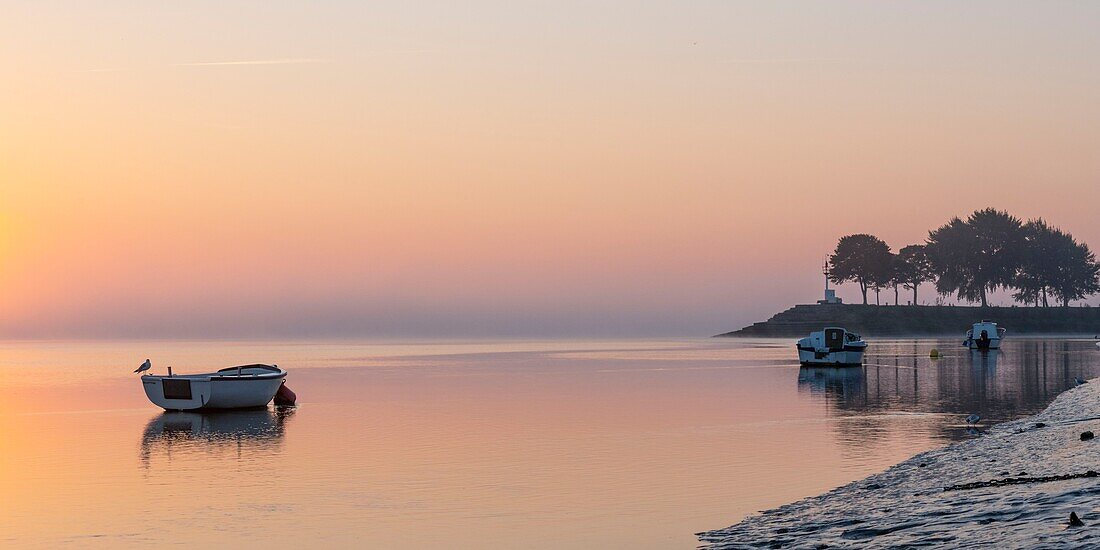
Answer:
x=286 y=61
x=786 y=60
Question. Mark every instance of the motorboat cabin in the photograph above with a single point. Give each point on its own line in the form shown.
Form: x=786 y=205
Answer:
x=984 y=335
x=831 y=347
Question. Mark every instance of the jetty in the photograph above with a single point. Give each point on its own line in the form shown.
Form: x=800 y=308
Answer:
x=903 y=320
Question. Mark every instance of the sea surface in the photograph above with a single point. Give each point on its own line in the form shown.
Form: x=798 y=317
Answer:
x=1018 y=485
x=532 y=444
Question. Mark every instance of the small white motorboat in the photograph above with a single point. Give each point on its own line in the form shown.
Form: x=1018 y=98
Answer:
x=984 y=335
x=242 y=387
x=832 y=347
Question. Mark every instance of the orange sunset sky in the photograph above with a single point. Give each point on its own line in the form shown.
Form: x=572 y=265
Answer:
x=484 y=169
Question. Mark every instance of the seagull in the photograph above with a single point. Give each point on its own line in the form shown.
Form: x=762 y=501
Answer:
x=973 y=419
x=144 y=366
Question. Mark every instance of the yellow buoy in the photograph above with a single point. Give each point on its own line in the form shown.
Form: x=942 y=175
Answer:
x=934 y=354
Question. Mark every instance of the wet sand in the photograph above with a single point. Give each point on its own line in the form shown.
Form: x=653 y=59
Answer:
x=1001 y=488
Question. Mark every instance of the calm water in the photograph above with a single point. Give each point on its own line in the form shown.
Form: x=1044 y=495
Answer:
x=468 y=445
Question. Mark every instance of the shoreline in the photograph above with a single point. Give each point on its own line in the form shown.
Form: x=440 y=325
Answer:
x=908 y=505
x=924 y=321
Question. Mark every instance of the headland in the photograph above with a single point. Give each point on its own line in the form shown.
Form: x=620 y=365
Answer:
x=894 y=321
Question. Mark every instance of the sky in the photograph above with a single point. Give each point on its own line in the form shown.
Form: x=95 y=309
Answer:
x=511 y=169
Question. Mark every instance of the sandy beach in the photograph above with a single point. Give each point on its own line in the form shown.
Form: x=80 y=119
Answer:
x=1006 y=487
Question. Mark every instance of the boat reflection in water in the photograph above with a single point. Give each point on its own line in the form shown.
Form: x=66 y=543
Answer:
x=837 y=382
x=242 y=432
x=986 y=360
x=900 y=379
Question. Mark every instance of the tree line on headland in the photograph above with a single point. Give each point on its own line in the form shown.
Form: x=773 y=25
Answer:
x=988 y=250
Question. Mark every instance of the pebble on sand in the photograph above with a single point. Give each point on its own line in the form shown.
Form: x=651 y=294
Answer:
x=1085 y=436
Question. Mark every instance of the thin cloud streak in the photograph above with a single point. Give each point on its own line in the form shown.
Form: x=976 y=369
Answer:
x=288 y=61
x=785 y=60
x=247 y=62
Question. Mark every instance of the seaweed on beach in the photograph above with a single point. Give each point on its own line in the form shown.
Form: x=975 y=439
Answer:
x=1017 y=481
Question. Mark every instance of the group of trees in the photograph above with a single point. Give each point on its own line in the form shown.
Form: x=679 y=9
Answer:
x=867 y=261
x=970 y=258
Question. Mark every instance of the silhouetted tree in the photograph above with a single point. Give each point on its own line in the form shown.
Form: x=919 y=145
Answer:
x=877 y=287
x=883 y=277
x=862 y=258
x=1053 y=262
x=1038 y=262
x=1078 y=274
x=977 y=256
x=895 y=275
x=911 y=268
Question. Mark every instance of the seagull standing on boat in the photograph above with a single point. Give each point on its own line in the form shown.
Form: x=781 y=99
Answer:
x=144 y=366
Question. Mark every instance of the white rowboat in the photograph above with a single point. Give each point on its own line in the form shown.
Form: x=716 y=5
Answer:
x=240 y=387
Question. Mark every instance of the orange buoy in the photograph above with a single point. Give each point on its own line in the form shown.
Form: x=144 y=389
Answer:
x=285 y=397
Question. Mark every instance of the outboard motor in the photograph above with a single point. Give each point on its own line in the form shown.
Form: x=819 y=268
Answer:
x=983 y=340
x=285 y=397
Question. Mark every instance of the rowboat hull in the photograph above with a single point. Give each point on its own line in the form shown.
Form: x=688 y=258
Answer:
x=227 y=389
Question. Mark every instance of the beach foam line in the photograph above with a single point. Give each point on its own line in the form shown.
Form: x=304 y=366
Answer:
x=957 y=495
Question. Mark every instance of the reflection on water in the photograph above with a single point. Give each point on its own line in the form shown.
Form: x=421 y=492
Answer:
x=243 y=431
x=472 y=445
x=998 y=385
x=840 y=384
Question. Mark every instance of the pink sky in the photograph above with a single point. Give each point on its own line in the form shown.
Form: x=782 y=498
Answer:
x=489 y=170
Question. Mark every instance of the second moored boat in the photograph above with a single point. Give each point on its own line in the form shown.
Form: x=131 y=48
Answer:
x=831 y=347
x=984 y=335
